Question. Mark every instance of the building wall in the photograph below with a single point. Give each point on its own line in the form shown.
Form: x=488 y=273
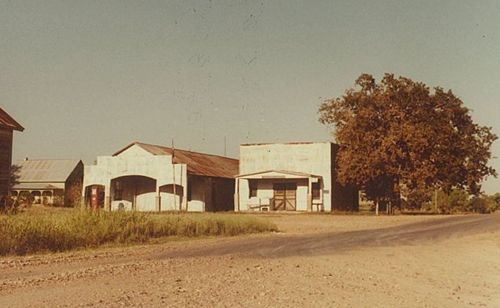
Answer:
x=135 y=161
x=198 y=193
x=344 y=198
x=210 y=194
x=223 y=192
x=5 y=160
x=265 y=192
x=311 y=158
x=73 y=187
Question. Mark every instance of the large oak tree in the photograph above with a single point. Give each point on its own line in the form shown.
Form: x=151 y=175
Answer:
x=398 y=135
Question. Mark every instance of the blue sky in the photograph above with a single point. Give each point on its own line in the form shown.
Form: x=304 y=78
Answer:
x=88 y=77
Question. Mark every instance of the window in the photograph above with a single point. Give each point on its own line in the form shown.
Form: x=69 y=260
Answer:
x=316 y=191
x=252 y=185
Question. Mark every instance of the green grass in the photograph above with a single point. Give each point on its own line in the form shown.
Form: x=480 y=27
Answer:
x=58 y=231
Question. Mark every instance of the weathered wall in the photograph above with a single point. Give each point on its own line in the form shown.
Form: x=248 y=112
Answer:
x=205 y=193
x=73 y=187
x=311 y=158
x=135 y=161
x=5 y=160
x=169 y=200
x=223 y=192
x=344 y=198
x=210 y=194
x=265 y=192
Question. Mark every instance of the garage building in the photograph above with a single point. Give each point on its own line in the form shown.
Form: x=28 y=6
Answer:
x=146 y=177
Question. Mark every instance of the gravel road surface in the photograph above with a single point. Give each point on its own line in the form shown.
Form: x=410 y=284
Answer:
x=319 y=260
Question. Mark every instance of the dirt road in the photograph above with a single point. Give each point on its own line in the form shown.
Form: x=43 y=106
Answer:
x=319 y=260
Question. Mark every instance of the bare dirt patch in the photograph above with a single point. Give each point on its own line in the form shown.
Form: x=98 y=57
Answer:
x=321 y=260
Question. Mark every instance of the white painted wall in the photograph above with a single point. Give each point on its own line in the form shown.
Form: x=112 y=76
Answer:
x=311 y=158
x=136 y=161
x=265 y=192
x=170 y=202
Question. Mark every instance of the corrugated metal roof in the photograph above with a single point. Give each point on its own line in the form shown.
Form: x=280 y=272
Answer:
x=197 y=163
x=46 y=170
x=292 y=143
x=288 y=172
x=7 y=121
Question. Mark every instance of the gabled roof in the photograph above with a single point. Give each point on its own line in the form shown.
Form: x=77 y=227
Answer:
x=46 y=170
x=278 y=174
x=6 y=121
x=197 y=163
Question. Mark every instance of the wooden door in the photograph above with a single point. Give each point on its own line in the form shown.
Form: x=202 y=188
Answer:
x=285 y=196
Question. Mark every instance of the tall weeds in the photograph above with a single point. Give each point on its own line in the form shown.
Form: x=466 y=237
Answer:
x=21 y=234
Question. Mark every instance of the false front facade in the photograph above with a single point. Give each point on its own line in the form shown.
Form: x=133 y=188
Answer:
x=291 y=177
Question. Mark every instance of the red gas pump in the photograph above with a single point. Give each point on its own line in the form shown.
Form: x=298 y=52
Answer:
x=94 y=198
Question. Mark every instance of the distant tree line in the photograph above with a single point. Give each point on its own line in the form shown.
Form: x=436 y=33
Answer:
x=459 y=201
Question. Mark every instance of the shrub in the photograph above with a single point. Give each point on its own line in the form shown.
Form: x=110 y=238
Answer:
x=482 y=204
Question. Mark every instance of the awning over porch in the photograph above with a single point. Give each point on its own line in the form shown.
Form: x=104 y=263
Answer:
x=278 y=190
x=38 y=186
x=279 y=174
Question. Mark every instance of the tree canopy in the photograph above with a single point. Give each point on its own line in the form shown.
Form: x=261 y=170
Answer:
x=398 y=135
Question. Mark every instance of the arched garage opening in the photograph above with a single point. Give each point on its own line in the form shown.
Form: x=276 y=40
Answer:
x=133 y=192
x=171 y=197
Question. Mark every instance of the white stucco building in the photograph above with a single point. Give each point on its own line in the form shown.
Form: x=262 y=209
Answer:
x=291 y=177
x=147 y=177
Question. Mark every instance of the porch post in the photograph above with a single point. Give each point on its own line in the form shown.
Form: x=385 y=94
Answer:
x=184 y=183
x=107 y=197
x=158 y=199
x=237 y=195
x=83 y=204
x=309 y=195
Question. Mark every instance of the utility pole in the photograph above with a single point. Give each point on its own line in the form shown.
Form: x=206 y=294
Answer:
x=225 y=146
x=173 y=175
x=435 y=201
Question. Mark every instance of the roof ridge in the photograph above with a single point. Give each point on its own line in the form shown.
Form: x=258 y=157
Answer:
x=177 y=149
x=286 y=143
x=52 y=159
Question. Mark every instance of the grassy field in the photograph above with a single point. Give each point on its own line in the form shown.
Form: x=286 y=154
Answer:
x=40 y=230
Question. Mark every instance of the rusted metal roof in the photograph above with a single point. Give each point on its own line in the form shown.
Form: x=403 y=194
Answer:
x=6 y=121
x=284 y=172
x=273 y=143
x=197 y=163
x=46 y=170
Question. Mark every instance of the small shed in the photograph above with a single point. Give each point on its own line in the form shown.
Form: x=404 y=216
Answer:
x=7 y=127
x=50 y=181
